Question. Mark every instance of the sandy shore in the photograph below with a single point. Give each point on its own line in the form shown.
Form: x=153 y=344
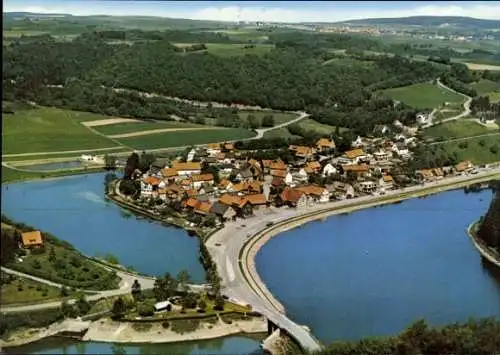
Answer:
x=106 y=330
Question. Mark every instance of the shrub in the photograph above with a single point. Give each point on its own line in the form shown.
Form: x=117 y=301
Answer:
x=165 y=325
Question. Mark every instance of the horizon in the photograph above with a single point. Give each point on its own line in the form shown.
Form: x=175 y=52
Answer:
x=264 y=11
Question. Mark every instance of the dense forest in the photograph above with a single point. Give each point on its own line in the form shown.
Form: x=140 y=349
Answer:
x=290 y=77
x=489 y=230
x=476 y=337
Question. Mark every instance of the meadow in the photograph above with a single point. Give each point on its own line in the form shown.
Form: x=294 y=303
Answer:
x=186 y=138
x=484 y=86
x=479 y=150
x=279 y=117
x=317 y=127
x=457 y=129
x=47 y=130
x=423 y=95
x=231 y=49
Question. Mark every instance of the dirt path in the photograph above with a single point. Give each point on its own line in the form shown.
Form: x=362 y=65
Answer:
x=109 y=121
x=160 y=130
x=476 y=66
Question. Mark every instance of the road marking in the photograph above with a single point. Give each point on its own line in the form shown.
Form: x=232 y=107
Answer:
x=229 y=269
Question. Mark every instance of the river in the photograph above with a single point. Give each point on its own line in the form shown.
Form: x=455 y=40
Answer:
x=74 y=209
x=375 y=271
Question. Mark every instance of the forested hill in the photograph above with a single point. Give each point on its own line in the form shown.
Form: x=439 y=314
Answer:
x=289 y=77
x=489 y=230
x=429 y=21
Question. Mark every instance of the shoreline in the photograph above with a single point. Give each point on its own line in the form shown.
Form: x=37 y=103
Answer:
x=108 y=331
x=481 y=248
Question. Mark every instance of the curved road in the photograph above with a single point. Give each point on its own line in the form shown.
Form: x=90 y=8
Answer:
x=226 y=245
x=464 y=113
x=127 y=279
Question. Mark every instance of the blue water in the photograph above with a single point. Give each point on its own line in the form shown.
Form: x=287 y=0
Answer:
x=233 y=345
x=54 y=166
x=74 y=209
x=374 y=272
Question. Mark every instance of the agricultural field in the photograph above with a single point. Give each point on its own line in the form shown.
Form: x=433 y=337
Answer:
x=244 y=35
x=142 y=126
x=494 y=96
x=186 y=138
x=423 y=95
x=47 y=130
x=457 y=129
x=484 y=87
x=479 y=150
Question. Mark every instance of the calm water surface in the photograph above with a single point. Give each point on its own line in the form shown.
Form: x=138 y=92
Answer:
x=375 y=271
x=235 y=345
x=74 y=209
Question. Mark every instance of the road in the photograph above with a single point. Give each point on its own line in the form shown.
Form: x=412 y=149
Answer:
x=464 y=113
x=127 y=279
x=465 y=138
x=225 y=247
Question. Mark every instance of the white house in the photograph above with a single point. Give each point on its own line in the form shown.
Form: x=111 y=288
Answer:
x=302 y=175
x=213 y=149
x=185 y=169
x=329 y=169
x=288 y=179
x=401 y=149
x=191 y=155
x=358 y=142
x=381 y=156
x=202 y=179
x=368 y=186
x=422 y=118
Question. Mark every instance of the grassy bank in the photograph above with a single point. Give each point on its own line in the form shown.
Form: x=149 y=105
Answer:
x=423 y=95
x=12 y=175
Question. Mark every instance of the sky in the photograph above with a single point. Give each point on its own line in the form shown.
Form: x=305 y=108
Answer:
x=267 y=11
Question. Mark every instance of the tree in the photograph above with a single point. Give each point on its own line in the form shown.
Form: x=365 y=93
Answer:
x=219 y=303
x=109 y=162
x=268 y=121
x=189 y=301
x=64 y=292
x=119 y=308
x=82 y=305
x=252 y=122
x=145 y=161
x=136 y=289
x=202 y=305
x=52 y=255
x=183 y=279
x=145 y=309
x=67 y=310
x=10 y=245
x=131 y=165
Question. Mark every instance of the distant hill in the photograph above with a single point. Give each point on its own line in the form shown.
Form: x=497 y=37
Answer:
x=13 y=15
x=428 y=21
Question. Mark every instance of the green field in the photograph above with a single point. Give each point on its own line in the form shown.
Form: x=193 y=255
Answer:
x=233 y=50
x=317 y=127
x=423 y=95
x=457 y=129
x=18 y=290
x=494 y=96
x=129 y=127
x=186 y=138
x=11 y=175
x=280 y=133
x=246 y=34
x=47 y=130
x=279 y=117
x=478 y=150
x=442 y=115
x=485 y=86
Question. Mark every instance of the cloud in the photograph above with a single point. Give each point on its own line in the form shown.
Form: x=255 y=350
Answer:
x=324 y=13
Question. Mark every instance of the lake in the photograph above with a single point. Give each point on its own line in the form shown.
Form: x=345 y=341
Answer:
x=74 y=209
x=233 y=345
x=375 y=271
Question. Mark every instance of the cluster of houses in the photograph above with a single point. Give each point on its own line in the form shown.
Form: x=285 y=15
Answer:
x=244 y=185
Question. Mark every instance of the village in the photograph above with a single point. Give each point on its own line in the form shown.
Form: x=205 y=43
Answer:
x=217 y=183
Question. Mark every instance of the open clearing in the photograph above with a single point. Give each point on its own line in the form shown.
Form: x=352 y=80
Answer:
x=476 y=66
x=231 y=49
x=309 y=124
x=138 y=126
x=279 y=117
x=280 y=133
x=48 y=130
x=423 y=95
x=156 y=131
x=457 y=129
x=485 y=86
x=108 y=121
x=479 y=150
x=186 y=138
